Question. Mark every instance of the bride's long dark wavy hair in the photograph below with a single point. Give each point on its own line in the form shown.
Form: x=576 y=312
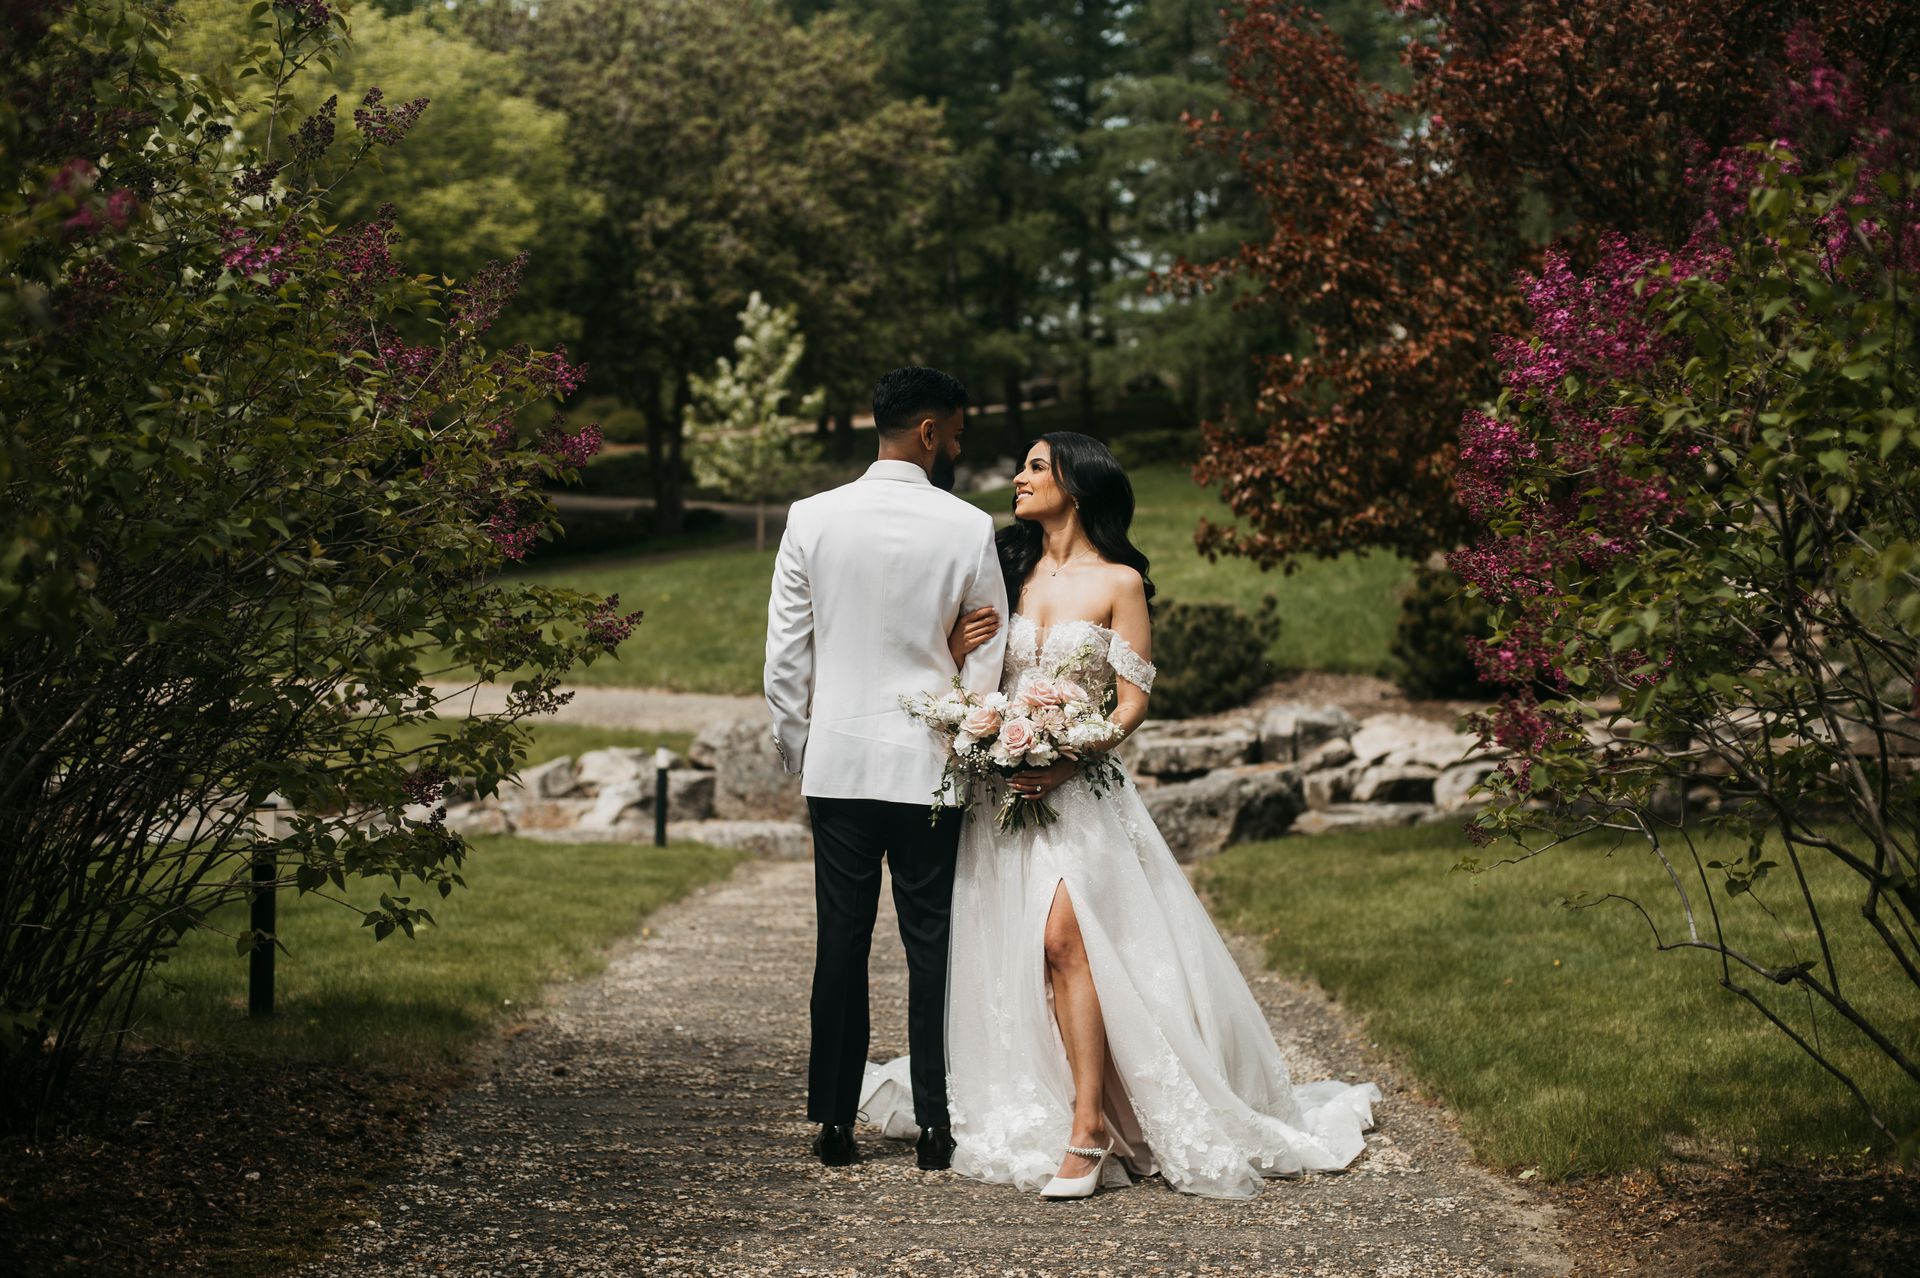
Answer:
x=1088 y=472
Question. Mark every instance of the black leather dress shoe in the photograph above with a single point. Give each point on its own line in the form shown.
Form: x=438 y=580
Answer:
x=934 y=1150
x=834 y=1146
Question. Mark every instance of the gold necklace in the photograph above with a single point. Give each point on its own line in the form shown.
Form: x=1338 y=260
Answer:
x=1056 y=571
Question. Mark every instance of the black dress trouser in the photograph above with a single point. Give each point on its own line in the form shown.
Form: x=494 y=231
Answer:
x=850 y=836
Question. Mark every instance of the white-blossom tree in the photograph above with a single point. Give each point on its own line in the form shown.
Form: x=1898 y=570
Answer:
x=743 y=438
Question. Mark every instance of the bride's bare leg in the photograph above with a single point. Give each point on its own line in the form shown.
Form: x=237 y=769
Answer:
x=1076 y=1006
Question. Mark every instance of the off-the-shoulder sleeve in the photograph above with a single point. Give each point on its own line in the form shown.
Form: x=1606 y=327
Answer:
x=1129 y=665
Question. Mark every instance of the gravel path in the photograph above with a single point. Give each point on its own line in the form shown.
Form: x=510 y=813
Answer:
x=659 y=710
x=648 y=1122
x=646 y=709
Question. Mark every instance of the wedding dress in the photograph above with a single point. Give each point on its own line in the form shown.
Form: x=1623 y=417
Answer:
x=1197 y=1090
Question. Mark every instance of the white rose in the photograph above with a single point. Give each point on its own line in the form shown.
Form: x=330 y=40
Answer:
x=1089 y=732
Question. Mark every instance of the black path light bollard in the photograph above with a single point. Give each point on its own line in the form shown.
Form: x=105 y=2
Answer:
x=662 y=760
x=264 y=908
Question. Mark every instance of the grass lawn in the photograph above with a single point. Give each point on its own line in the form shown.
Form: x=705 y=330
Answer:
x=531 y=913
x=1336 y=614
x=556 y=740
x=705 y=626
x=1561 y=1038
x=234 y=1146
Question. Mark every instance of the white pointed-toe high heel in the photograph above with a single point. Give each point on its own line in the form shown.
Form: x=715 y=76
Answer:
x=1080 y=1186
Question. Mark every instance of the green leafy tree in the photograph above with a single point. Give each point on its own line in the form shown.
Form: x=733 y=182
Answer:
x=1010 y=93
x=734 y=151
x=742 y=435
x=1183 y=203
x=244 y=520
x=1080 y=190
x=485 y=174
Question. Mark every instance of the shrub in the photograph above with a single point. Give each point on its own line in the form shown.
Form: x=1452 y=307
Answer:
x=593 y=532
x=1152 y=447
x=619 y=423
x=1213 y=656
x=257 y=482
x=622 y=425
x=1703 y=522
x=622 y=474
x=1438 y=623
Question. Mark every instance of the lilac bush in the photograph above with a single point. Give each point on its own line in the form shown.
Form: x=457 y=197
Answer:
x=1702 y=545
x=258 y=483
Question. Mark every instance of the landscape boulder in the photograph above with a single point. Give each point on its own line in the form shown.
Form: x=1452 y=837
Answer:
x=1362 y=816
x=615 y=800
x=1328 y=754
x=1232 y=805
x=1450 y=792
x=689 y=798
x=782 y=840
x=1172 y=749
x=689 y=795
x=1395 y=783
x=475 y=819
x=1327 y=786
x=598 y=769
x=1291 y=731
x=1393 y=738
x=528 y=811
x=750 y=782
x=553 y=779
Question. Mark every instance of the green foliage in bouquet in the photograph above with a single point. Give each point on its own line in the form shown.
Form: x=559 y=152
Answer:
x=1211 y=656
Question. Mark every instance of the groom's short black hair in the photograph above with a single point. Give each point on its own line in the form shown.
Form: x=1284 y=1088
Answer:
x=905 y=395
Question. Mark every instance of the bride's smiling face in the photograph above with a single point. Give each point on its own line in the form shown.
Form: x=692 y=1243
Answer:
x=1036 y=489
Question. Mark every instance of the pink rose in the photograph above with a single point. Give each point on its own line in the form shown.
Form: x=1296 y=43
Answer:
x=1040 y=693
x=1017 y=736
x=981 y=723
x=1070 y=692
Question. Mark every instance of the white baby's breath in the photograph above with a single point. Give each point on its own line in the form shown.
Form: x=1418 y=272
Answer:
x=1062 y=721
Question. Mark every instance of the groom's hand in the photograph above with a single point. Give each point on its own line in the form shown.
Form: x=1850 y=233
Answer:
x=1037 y=783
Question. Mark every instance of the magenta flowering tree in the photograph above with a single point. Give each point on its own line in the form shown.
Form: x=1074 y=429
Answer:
x=1700 y=488
x=258 y=482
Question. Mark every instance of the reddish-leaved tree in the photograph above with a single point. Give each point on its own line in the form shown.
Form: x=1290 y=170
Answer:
x=1401 y=220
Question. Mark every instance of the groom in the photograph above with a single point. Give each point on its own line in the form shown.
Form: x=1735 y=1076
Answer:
x=869 y=581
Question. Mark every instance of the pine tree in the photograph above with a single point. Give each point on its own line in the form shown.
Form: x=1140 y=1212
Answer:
x=743 y=440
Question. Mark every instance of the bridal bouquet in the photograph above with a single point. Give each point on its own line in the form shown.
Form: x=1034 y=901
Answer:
x=1048 y=718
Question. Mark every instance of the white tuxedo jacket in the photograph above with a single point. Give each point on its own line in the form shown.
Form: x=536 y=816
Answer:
x=870 y=578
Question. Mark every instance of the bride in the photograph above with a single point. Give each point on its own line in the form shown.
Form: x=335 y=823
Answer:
x=1096 y=1023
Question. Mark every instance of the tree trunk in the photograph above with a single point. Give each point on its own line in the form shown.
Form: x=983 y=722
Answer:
x=1016 y=416
x=670 y=490
x=759 y=525
x=647 y=394
x=843 y=434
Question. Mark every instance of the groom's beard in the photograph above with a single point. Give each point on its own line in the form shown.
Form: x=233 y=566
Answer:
x=942 y=474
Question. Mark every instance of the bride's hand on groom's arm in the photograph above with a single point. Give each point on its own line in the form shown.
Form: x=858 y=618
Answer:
x=1037 y=783
x=972 y=630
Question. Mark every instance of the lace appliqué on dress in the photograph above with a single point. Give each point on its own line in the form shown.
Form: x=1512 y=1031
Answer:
x=1129 y=665
x=1085 y=649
